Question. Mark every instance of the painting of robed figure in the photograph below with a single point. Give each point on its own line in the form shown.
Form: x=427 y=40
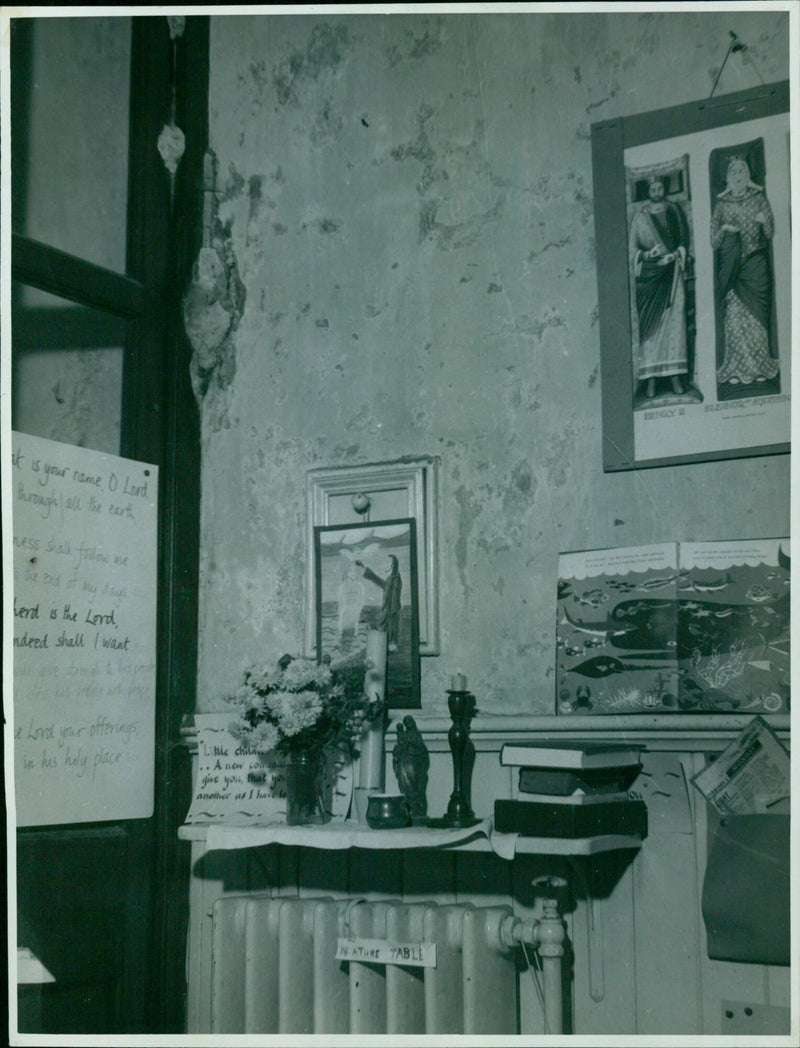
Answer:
x=366 y=580
x=662 y=282
x=694 y=277
x=742 y=230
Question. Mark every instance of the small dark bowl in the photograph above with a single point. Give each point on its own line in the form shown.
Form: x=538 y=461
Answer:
x=387 y=811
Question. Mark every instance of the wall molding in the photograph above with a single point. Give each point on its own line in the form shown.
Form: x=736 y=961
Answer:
x=656 y=732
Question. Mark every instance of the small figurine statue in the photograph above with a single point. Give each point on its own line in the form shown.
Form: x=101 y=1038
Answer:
x=411 y=761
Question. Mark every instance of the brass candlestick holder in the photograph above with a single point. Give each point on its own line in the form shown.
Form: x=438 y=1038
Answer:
x=459 y=812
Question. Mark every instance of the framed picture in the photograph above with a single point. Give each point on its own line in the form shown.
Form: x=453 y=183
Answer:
x=692 y=224
x=366 y=579
x=382 y=491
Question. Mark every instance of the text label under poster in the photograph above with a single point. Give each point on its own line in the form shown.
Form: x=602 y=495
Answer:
x=85 y=539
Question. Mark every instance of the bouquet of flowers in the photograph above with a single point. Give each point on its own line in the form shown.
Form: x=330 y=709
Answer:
x=298 y=705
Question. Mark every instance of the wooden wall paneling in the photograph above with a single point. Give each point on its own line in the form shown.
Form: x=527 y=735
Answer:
x=483 y=878
x=666 y=903
x=375 y=874
x=666 y=932
x=604 y=961
x=778 y=986
x=286 y=870
x=264 y=868
x=88 y=979
x=429 y=874
x=720 y=980
x=490 y=779
x=214 y=874
x=322 y=872
x=264 y=871
x=198 y=948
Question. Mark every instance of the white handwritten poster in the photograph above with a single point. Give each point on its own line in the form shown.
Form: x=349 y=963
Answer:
x=85 y=541
x=235 y=785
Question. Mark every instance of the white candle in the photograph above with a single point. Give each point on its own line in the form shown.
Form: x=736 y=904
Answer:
x=458 y=682
x=370 y=771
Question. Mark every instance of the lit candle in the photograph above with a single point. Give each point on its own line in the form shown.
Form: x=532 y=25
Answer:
x=458 y=682
x=370 y=770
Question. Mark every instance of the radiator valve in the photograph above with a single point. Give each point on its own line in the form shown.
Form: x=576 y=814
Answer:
x=546 y=935
x=514 y=931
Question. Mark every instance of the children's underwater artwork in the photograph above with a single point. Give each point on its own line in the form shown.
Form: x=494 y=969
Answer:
x=695 y=626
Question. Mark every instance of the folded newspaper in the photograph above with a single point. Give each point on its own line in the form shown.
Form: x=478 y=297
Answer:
x=751 y=776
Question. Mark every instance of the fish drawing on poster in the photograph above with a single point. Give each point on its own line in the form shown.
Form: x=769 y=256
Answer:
x=84 y=595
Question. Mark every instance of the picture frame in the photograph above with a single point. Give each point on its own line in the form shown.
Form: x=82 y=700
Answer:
x=366 y=579
x=406 y=487
x=694 y=280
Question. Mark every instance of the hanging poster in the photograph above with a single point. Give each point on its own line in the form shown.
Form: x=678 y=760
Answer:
x=694 y=278
x=84 y=645
x=675 y=627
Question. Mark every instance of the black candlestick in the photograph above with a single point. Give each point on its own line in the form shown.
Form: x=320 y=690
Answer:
x=459 y=811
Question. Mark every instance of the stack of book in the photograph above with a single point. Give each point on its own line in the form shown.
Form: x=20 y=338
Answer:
x=569 y=790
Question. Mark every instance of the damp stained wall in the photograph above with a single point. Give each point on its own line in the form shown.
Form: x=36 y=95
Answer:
x=408 y=201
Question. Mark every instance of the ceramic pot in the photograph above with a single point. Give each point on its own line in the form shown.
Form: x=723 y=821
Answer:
x=387 y=811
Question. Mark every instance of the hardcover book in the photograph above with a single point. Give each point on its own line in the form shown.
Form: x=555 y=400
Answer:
x=531 y=819
x=695 y=626
x=579 y=797
x=564 y=782
x=568 y=755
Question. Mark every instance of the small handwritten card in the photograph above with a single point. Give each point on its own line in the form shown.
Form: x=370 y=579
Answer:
x=235 y=785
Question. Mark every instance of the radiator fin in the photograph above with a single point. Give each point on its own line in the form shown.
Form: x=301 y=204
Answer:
x=490 y=999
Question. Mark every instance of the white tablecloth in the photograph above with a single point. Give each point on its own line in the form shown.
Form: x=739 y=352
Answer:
x=337 y=835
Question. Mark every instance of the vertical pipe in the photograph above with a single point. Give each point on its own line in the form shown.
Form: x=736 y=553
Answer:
x=550 y=939
x=551 y=968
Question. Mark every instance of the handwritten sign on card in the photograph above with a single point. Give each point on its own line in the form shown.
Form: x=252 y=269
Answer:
x=84 y=644
x=234 y=785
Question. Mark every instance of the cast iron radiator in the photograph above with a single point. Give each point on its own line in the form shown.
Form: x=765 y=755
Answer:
x=275 y=967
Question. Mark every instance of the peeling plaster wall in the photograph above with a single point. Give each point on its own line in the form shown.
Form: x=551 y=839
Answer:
x=409 y=203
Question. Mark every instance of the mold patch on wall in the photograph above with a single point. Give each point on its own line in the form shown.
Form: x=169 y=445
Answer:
x=323 y=53
x=415 y=45
x=460 y=198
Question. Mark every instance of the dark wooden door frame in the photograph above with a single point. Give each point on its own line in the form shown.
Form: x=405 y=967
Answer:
x=161 y=417
x=160 y=424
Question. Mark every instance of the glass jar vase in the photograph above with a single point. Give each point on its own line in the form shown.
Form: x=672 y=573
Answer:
x=304 y=789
